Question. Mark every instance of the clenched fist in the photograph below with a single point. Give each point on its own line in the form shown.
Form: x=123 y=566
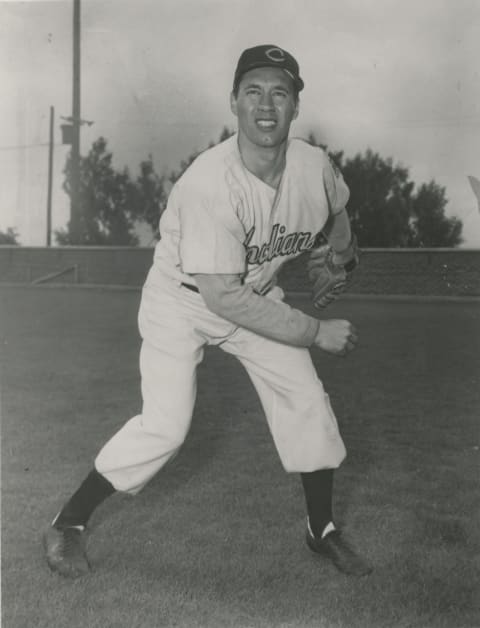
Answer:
x=336 y=336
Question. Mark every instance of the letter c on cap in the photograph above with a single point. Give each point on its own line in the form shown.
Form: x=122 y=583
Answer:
x=275 y=54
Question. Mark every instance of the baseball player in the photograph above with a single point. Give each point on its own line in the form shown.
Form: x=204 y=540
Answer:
x=239 y=212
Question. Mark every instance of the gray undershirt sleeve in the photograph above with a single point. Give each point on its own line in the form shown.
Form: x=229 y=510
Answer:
x=227 y=297
x=338 y=231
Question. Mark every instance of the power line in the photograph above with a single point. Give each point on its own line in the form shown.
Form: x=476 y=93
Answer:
x=20 y=147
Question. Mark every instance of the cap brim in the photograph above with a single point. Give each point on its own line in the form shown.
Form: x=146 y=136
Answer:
x=298 y=82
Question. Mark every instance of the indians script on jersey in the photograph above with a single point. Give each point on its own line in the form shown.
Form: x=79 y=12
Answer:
x=279 y=244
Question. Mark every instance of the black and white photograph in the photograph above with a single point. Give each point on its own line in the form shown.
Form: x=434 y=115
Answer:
x=240 y=313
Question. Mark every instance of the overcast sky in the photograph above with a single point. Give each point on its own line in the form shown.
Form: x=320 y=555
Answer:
x=399 y=76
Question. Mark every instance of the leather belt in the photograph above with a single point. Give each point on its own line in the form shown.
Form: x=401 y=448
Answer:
x=189 y=286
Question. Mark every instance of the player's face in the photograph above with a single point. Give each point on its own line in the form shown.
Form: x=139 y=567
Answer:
x=265 y=106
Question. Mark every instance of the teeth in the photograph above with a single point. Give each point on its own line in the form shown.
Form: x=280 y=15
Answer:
x=266 y=124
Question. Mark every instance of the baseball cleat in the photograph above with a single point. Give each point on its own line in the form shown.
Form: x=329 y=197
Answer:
x=65 y=551
x=334 y=547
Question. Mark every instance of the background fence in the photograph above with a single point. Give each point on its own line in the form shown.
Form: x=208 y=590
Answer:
x=442 y=272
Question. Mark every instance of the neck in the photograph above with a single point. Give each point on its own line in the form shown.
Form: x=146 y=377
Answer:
x=267 y=163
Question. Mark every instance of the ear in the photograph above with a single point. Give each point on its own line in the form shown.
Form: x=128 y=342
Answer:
x=297 y=110
x=233 y=104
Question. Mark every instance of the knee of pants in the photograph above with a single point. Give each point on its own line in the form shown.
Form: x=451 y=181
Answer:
x=168 y=435
x=135 y=453
x=306 y=434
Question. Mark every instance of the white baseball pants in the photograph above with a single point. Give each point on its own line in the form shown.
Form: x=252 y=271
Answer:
x=175 y=326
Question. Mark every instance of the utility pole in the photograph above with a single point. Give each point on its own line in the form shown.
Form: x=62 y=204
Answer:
x=50 y=176
x=75 y=215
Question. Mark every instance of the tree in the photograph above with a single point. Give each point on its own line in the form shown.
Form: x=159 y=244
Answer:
x=430 y=225
x=10 y=236
x=106 y=200
x=150 y=195
x=112 y=204
x=386 y=211
x=380 y=204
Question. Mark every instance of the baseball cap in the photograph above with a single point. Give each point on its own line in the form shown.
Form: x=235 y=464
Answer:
x=268 y=56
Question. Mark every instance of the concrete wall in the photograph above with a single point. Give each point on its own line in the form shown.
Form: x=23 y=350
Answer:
x=442 y=272
x=94 y=265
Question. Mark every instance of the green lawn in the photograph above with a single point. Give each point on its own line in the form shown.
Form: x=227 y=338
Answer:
x=217 y=539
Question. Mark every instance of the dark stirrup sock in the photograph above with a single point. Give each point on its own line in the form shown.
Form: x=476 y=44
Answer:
x=318 y=488
x=76 y=512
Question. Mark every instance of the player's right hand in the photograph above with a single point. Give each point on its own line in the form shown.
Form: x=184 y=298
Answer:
x=336 y=336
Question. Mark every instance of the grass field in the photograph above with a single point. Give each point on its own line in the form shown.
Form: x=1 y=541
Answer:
x=217 y=539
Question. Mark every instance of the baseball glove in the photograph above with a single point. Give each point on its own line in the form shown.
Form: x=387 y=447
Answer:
x=330 y=272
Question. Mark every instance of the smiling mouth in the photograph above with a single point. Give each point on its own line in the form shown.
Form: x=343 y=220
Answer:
x=266 y=125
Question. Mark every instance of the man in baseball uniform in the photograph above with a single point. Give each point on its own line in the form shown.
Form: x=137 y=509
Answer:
x=240 y=211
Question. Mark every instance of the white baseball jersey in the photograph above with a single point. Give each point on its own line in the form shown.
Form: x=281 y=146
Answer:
x=221 y=218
